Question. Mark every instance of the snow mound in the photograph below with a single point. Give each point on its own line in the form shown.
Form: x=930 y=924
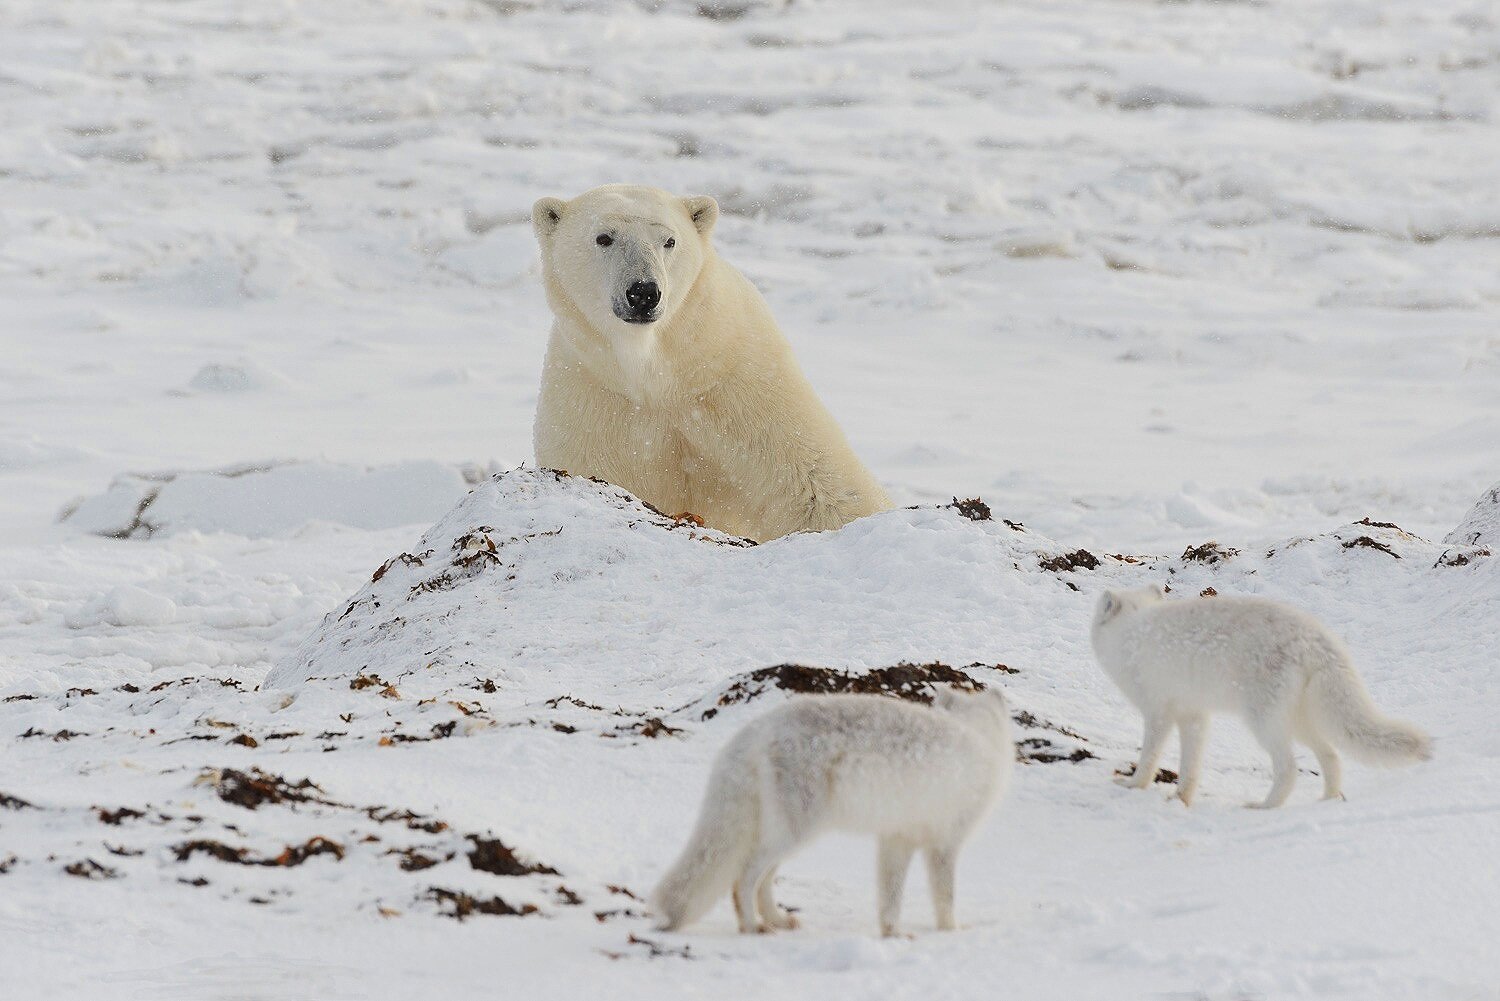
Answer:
x=242 y=376
x=1481 y=526
x=271 y=499
x=538 y=585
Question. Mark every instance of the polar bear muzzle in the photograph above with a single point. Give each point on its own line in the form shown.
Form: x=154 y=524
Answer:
x=639 y=303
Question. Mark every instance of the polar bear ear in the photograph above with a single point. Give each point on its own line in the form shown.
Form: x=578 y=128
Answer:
x=704 y=212
x=545 y=215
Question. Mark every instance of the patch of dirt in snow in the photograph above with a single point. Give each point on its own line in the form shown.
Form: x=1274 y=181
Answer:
x=1208 y=553
x=1080 y=559
x=389 y=845
x=913 y=682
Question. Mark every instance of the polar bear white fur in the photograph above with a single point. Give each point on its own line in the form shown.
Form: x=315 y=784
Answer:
x=667 y=375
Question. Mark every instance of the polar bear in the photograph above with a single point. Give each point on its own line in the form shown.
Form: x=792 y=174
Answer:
x=667 y=375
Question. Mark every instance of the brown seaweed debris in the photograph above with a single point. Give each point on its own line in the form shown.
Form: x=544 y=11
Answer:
x=291 y=855
x=113 y=817
x=1366 y=542
x=464 y=905
x=1209 y=552
x=654 y=727
x=974 y=509
x=913 y=682
x=494 y=856
x=89 y=869
x=406 y=558
x=1031 y=722
x=413 y=860
x=1043 y=751
x=1164 y=776
x=1078 y=559
x=655 y=950
x=1460 y=558
x=254 y=788
x=297 y=854
x=413 y=821
x=440 y=731
x=362 y=681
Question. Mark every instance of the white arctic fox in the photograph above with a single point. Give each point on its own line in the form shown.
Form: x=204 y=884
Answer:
x=1278 y=668
x=914 y=776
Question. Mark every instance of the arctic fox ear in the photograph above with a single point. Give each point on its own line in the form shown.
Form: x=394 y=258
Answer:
x=1159 y=591
x=704 y=212
x=545 y=215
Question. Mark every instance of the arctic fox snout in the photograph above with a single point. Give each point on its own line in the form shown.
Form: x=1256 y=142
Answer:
x=917 y=777
x=1279 y=669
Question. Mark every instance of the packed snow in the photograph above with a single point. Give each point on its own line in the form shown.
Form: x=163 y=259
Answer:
x=309 y=687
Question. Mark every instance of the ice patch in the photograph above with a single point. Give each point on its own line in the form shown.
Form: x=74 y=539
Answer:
x=271 y=500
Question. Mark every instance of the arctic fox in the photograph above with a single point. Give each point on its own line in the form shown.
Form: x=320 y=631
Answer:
x=912 y=775
x=1278 y=668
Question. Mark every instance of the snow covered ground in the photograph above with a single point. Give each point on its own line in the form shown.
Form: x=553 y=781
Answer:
x=1141 y=275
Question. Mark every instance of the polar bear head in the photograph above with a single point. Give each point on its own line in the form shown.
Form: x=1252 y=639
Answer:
x=623 y=256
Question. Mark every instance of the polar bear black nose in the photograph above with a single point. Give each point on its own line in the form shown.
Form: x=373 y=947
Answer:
x=643 y=296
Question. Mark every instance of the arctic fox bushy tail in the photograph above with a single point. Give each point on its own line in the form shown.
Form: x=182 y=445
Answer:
x=1346 y=716
x=715 y=854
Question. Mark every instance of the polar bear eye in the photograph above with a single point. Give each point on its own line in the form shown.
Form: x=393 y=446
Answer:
x=671 y=242
x=604 y=239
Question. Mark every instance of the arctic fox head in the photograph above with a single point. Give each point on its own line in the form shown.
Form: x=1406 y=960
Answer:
x=623 y=256
x=1112 y=604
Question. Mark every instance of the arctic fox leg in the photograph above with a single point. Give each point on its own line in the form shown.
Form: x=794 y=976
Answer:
x=1192 y=734
x=1328 y=763
x=747 y=891
x=893 y=858
x=1158 y=726
x=1273 y=736
x=942 y=861
x=772 y=914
